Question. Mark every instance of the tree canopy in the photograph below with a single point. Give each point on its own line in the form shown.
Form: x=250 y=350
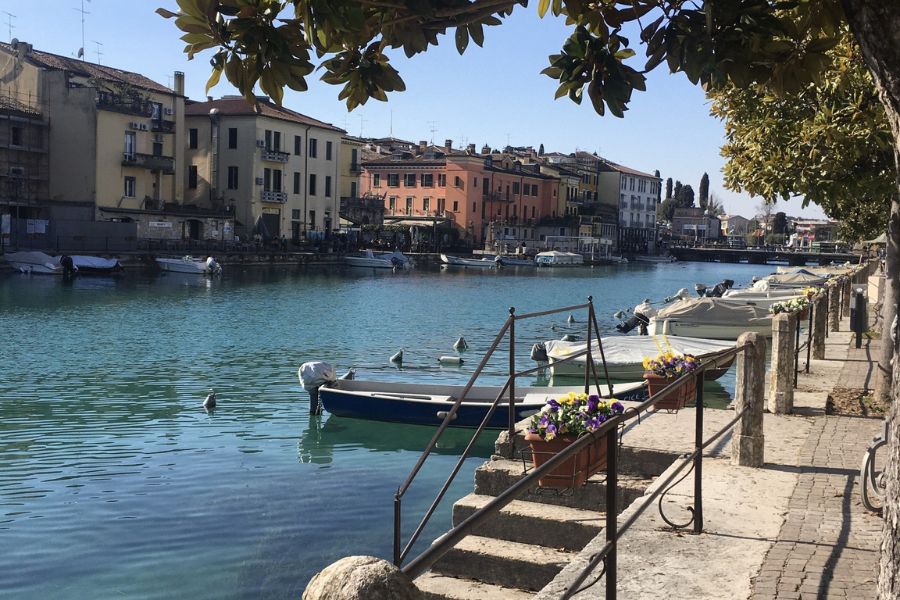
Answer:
x=831 y=143
x=703 y=192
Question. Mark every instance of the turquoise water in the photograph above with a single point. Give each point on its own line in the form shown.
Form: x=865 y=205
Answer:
x=115 y=483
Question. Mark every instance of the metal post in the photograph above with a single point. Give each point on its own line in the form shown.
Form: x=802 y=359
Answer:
x=397 y=542
x=809 y=334
x=511 y=426
x=589 y=361
x=797 y=350
x=698 y=460
x=612 y=448
x=858 y=316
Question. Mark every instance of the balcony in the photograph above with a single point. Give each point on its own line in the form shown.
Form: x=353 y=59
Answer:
x=354 y=167
x=270 y=196
x=162 y=126
x=275 y=155
x=165 y=164
x=495 y=197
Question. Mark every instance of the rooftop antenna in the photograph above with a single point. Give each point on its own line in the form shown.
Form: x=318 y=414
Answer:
x=99 y=52
x=83 y=12
x=9 y=18
x=433 y=129
x=361 y=122
x=391 y=134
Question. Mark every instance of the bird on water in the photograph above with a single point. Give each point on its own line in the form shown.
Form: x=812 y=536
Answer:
x=210 y=401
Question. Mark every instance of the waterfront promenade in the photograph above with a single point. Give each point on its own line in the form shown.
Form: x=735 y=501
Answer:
x=794 y=529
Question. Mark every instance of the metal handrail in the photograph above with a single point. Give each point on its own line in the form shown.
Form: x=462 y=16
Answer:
x=508 y=326
x=443 y=544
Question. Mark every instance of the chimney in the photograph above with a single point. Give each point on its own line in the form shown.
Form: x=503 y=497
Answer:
x=448 y=144
x=470 y=148
x=422 y=145
x=179 y=83
x=209 y=98
x=484 y=149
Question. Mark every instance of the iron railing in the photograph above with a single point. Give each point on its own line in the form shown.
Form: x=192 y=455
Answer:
x=807 y=345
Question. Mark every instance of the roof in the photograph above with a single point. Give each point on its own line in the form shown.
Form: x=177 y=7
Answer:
x=236 y=106
x=55 y=62
x=623 y=169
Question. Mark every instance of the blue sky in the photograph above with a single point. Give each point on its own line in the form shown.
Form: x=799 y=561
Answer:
x=490 y=95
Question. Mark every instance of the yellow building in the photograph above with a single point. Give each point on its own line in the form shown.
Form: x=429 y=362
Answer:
x=276 y=169
x=115 y=151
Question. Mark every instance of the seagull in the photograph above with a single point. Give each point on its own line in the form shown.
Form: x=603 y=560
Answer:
x=210 y=401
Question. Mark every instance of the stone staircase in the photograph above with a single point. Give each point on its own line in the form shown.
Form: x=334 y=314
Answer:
x=522 y=548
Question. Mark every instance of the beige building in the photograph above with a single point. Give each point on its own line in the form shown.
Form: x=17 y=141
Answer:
x=635 y=194
x=279 y=171
x=114 y=151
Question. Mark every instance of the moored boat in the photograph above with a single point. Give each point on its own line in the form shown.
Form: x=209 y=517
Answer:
x=456 y=261
x=94 y=265
x=34 y=261
x=555 y=258
x=625 y=354
x=427 y=404
x=368 y=259
x=505 y=260
x=712 y=318
x=188 y=264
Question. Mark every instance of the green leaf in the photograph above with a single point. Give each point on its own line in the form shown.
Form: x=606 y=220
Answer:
x=166 y=14
x=543 y=5
x=462 y=38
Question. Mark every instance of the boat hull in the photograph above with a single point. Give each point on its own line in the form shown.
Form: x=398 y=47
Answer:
x=180 y=265
x=34 y=262
x=427 y=404
x=455 y=261
x=713 y=331
x=369 y=263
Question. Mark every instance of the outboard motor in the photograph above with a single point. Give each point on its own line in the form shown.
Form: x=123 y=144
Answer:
x=700 y=288
x=640 y=318
x=314 y=375
x=539 y=355
x=213 y=266
x=68 y=267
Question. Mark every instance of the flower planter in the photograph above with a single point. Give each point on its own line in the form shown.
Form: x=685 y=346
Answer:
x=574 y=471
x=676 y=399
x=803 y=313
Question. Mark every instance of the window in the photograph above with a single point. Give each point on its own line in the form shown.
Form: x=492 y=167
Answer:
x=130 y=185
x=268 y=139
x=485 y=186
x=328 y=186
x=376 y=180
x=426 y=205
x=312 y=220
x=409 y=205
x=474 y=182
x=440 y=205
x=623 y=183
x=312 y=184
x=474 y=207
x=296 y=182
x=232 y=178
x=456 y=206
x=353 y=189
x=458 y=182
x=442 y=180
x=327 y=150
x=312 y=147
x=157 y=148
x=295 y=214
x=532 y=212
x=192 y=138
x=298 y=142
x=192 y=177
x=130 y=144
x=393 y=179
x=267 y=180
x=427 y=180
x=392 y=204
x=276 y=180
x=16 y=136
x=534 y=190
x=276 y=141
x=516 y=188
x=409 y=180
x=232 y=137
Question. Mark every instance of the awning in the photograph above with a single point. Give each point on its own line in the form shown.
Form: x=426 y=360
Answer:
x=881 y=239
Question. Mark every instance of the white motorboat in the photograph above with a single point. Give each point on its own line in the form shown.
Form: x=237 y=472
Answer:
x=555 y=258
x=189 y=264
x=798 y=279
x=653 y=259
x=505 y=260
x=94 y=265
x=34 y=261
x=625 y=354
x=456 y=261
x=762 y=299
x=368 y=259
x=711 y=318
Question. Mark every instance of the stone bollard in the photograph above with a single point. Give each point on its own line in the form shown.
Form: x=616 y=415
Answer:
x=834 y=307
x=781 y=388
x=361 y=578
x=847 y=287
x=748 y=441
x=820 y=325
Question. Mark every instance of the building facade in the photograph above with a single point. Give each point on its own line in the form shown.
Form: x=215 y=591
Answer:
x=693 y=225
x=635 y=195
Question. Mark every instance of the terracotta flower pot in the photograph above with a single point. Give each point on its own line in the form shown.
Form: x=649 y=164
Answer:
x=574 y=471
x=803 y=313
x=676 y=399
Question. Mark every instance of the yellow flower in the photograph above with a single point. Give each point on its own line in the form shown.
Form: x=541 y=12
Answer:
x=647 y=361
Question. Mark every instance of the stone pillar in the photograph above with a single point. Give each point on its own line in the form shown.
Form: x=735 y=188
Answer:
x=748 y=441
x=834 y=307
x=361 y=578
x=781 y=388
x=820 y=324
x=848 y=294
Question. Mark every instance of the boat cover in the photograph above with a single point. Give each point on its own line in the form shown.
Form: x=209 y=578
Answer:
x=33 y=257
x=632 y=349
x=94 y=262
x=798 y=279
x=713 y=310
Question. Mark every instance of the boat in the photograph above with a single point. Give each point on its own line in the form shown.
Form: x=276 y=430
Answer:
x=34 y=261
x=368 y=259
x=762 y=299
x=188 y=264
x=653 y=259
x=94 y=265
x=798 y=279
x=625 y=354
x=555 y=258
x=711 y=318
x=456 y=261
x=505 y=260
x=427 y=404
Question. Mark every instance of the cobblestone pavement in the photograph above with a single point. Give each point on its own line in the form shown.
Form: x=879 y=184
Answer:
x=828 y=546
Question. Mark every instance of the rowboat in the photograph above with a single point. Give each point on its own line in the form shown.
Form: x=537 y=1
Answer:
x=456 y=261
x=625 y=354
x=428 y=404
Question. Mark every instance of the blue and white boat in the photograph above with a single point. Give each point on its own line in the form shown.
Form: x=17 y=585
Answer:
x=428 y=404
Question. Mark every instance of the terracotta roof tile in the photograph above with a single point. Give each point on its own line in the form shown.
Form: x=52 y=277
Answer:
x=237 y=106
x=611 y=166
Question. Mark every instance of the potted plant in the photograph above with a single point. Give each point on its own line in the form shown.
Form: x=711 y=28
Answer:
x=559 y=423
x=663 y=370
x=799 y=305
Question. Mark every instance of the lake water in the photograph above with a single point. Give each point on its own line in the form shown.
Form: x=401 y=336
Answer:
x=114 y=482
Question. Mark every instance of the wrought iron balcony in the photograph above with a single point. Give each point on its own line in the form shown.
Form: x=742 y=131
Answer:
x=270 y=196
x=275 y=155
x=162 y=126
x=166 y=164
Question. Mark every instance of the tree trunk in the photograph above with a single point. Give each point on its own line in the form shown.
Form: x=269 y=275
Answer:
x=876 y=26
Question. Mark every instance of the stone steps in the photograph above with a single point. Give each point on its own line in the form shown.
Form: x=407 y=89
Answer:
x=440 y=587
x=496 y=476
x=529 y=522
x=503 y=563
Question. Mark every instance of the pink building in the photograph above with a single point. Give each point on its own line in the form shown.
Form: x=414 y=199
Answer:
x=488 y=197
